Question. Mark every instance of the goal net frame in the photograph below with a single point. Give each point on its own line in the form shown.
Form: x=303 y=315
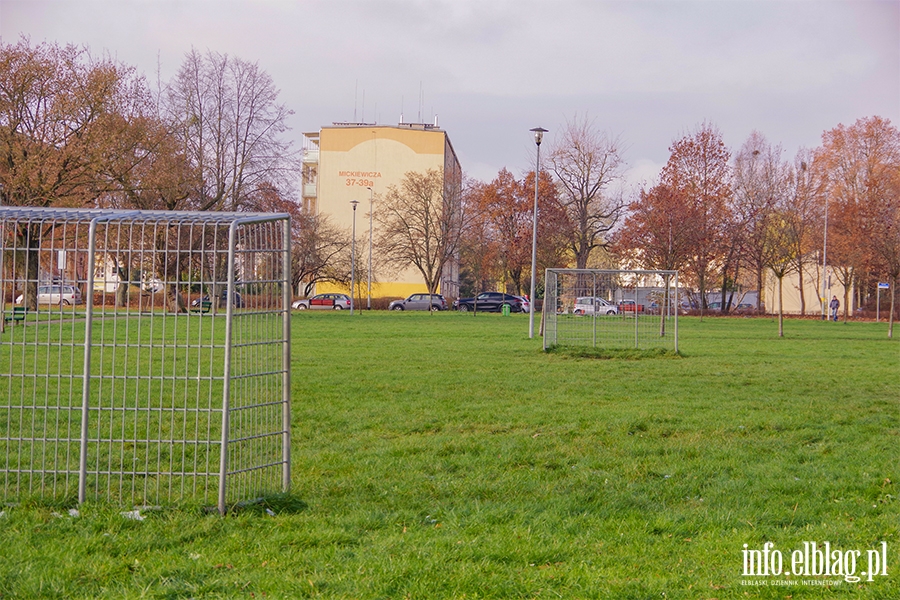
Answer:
x=164 y=375
x=611 y=308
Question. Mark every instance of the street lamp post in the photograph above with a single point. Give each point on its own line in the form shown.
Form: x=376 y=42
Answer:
x=353 y=256
x=371 y=210
x=825 y=263
x=538 y=136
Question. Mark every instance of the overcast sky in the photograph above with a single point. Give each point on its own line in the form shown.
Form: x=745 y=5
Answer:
x=490 y=70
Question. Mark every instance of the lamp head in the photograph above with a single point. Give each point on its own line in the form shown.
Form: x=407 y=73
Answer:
x=354 y=203
x=538 y=134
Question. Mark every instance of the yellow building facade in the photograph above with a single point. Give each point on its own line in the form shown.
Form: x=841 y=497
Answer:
x=812 y=291
x=359 y=161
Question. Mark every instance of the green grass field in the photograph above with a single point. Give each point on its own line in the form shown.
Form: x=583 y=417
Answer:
x=447 y=456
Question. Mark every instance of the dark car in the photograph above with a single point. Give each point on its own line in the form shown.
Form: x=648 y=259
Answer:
x=420 y=302
x=223 y=299
x=490 y=302
x=745 y=307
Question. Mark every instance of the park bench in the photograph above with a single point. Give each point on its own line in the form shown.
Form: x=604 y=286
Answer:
x=203 y=308
x=18 y=314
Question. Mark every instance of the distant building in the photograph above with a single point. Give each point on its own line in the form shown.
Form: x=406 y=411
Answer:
x=812 y=289
x=359 y=161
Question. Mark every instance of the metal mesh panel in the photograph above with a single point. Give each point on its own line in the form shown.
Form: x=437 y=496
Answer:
x=611 y=308
x=145 y=355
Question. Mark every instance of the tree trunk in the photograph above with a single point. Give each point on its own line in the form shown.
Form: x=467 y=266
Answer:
x=722 y=307
x=781 y=306
x=176 y=302
x=701 y=283
x=32 y=266
x=759 y=289
x=122 y=294
x=846 y=301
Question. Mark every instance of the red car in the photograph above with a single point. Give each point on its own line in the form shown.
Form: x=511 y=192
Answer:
x=630 y=306
x=323 y=302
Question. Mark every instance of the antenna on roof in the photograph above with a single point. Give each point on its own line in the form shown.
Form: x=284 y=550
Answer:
x=421 y=101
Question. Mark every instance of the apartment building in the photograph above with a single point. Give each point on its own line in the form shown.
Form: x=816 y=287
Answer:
x=360 y=161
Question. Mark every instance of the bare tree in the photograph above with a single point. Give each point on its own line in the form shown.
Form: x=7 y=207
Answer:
x=229 y=123
x=421 y=223
x=318 y=251
x=587 y=163
x=757 y=185
x=318 y=248
x=800 y=193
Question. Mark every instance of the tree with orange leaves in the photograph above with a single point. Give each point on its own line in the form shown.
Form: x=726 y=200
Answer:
x=75 y=131
x=653 y=235
x=498 y=242
x=699 y=176
x=859 y=166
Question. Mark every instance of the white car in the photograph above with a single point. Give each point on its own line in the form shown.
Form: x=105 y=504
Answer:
x=526 y=304
x=590 y=305
x=323 y=302
x=56 y=294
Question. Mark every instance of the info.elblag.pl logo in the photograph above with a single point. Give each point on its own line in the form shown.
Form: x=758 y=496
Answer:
x=815 y=559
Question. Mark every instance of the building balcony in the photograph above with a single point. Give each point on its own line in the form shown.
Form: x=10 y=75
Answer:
x=311 y=155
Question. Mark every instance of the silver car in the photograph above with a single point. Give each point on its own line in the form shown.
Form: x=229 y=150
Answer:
x=56 y=294
x=433 y=302
x=594 y=306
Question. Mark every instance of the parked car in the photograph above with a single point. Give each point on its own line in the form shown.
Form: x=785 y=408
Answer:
x=420 y=302
x=526 y=304
x=323 y=302
x=152 y=285
x=745 y=307
x=714 y=306
x=590 y=305
x=489 y=302
x=223 y=299
x=626 y=306
x=56 y=294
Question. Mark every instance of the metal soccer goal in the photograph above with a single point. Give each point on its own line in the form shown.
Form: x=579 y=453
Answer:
x=145 y=356
x=611 y=308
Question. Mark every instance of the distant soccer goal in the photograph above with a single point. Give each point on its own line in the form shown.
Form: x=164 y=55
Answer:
x=603 y=308
x=144 y=356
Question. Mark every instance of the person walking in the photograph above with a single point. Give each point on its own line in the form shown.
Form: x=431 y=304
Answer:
x=835 y=304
